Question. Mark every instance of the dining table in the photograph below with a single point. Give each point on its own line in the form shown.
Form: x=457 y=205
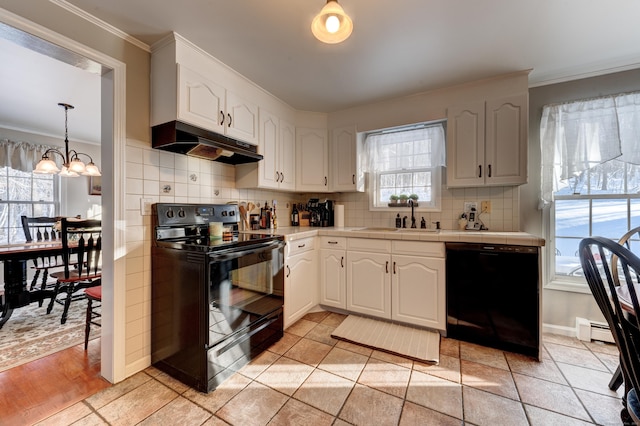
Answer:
x=15 y=258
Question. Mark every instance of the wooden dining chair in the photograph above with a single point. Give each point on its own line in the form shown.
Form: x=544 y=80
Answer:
x=41 y=229
x=94 y=303
x=81 y=252
x=626 y=240
x=618 y=301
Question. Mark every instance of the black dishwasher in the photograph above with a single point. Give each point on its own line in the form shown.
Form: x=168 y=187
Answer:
x=493 y=296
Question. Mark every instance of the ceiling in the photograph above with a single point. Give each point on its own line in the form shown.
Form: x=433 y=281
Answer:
x=397 y=48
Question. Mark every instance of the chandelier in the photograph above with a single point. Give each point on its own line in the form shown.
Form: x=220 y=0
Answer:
x=332 y=25
x=72 y=166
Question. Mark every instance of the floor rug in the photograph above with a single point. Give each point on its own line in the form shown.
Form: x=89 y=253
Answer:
x=412 y=342
x=31 y=334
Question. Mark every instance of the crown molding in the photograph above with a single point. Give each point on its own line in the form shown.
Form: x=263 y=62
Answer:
x=100 y=23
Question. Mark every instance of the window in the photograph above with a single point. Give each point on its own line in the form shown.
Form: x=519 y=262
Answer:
x=602 y=201
x=24 y=193
x=406 y=161
x=590 y=178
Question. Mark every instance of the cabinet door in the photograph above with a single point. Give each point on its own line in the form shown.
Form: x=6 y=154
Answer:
x=333 y=278
x=241 y=121
x=369 y=283
x=312 y=167
x=465 y=145
x=287 y=155
x=200 y=101
x=506 y=140
x=343 y=159
x=269 y=175
x=300 y=286
x=418 y=291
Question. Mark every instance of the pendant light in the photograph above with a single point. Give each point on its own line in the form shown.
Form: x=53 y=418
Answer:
x=72 y=166
x=332 y=25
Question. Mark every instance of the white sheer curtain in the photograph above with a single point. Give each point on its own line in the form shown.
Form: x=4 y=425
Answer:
x=21 y=156
x=579 y=135
x=406 y=149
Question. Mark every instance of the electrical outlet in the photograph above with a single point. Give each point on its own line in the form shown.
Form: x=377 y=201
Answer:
x=470 y=205
x=485 y=207
x=145 y=206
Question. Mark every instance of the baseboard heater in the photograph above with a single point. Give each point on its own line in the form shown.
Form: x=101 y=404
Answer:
x=587 y=330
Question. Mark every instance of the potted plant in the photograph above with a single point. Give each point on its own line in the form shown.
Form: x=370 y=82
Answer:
x=414 y=197
x=403 y=198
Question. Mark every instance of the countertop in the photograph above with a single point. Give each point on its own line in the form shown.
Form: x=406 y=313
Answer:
x=292 y=233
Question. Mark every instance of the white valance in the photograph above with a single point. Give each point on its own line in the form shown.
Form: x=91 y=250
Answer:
x=21 y=156
x=406 y=149
x=579 y=135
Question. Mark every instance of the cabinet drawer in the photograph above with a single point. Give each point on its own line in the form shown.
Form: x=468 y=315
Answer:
x=366 y=244
x=300 y=246
x=418 y=248
x=333 y=242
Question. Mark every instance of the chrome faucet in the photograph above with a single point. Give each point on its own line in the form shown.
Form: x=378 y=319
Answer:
x=413 y=218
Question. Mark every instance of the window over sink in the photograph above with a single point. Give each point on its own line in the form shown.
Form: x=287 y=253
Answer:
x=405 y=162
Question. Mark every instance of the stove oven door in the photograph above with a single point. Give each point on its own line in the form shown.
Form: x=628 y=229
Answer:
x=246 y=296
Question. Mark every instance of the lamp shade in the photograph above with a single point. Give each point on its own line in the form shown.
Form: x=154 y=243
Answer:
x=68 y=173
x=91 y=170
x=332 y=25
x=46 y=166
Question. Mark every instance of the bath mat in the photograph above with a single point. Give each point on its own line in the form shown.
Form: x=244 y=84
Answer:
x=412 y=342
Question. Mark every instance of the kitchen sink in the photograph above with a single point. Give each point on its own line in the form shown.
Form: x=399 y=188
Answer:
x=428 y=230
x=376 y=229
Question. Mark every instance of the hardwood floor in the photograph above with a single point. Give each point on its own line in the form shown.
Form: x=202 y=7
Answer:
x=34 y=391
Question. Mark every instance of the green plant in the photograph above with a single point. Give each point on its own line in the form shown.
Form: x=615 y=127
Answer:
x=403 y=197
x=393 y=198
x=414 y=197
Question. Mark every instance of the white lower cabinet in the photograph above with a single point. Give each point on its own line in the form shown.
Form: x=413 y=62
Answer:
x=417 y=291
x=400 y=280
x=333 y=276
x=300 y=279
x=369 y=284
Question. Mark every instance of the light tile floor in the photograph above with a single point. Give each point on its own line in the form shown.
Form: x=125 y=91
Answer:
x=308 y=378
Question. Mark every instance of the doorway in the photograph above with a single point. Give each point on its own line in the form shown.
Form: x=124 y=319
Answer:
x=112 y=119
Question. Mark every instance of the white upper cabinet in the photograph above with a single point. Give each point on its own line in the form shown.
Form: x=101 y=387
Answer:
x=241 y=120
x=278 y=146
x=312 y=165
x=487 y=142
x=200 y=101
x=344 y=159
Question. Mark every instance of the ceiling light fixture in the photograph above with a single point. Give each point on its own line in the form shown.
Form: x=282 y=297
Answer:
x=332 y=25
x=72 y=166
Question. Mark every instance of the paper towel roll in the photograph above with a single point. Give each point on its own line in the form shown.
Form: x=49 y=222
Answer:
x=338 y=216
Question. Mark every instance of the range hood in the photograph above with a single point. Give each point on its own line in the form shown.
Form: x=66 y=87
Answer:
x=183 y=138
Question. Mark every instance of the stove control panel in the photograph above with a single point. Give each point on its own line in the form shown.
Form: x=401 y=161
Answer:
x=168 y=214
